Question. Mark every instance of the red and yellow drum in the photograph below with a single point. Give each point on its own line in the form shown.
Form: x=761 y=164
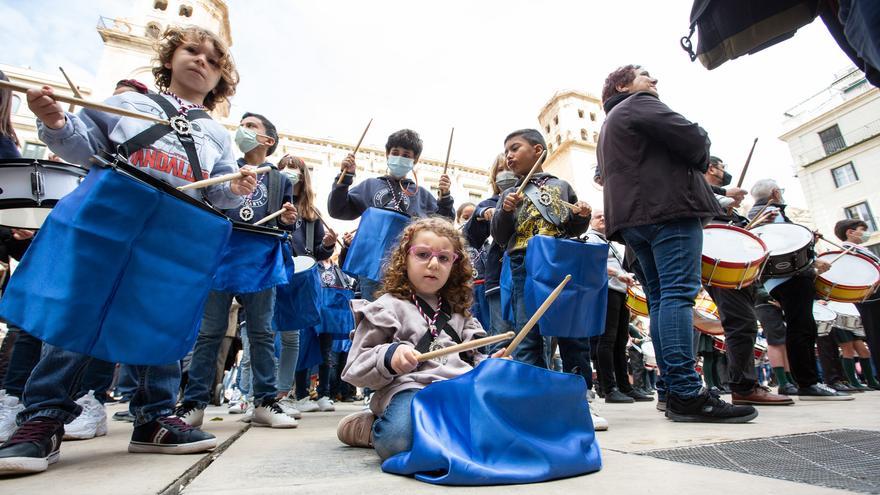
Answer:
x=732 y=257
x=636 y=300
x=852 y=278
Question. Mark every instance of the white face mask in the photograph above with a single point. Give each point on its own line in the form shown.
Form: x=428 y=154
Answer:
x=865 y=236
x=505 y=180
x=292 y=175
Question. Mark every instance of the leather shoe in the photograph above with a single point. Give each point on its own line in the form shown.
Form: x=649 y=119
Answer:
x=640 y=396
x=615 y=396
x=761 y=396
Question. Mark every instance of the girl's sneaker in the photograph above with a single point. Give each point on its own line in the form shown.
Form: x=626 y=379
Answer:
x=288 y=405
x=307 y=405
x=325 y=404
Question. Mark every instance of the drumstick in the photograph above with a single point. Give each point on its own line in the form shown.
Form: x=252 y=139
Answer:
x=269 y=217
x=21 y=88
x=830 y=242
x=448 y=150
x=356 y=148
x=841 y=255
x=525 y=181
x=329 y=229
x=742 y=176
x=72 y=88
x=570 y=206
x=758 y=216
x=535 y=317
x=465 y=346
x=219 y=180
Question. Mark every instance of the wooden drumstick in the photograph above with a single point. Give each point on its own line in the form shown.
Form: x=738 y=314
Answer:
x=329 y=229
x=742 y=176
x=268 y=218
x=537 y=316
x=72 y=88
x=525 y=181
x=101 y=107
x=822 y=237
x=841 y=255
x=758 y=216
x=219 y=180
x=570 y=206
x=465 y=346
x=356 y=148
x=448 y=150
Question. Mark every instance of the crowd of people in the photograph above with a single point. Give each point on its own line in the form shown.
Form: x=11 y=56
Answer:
x=451 y=276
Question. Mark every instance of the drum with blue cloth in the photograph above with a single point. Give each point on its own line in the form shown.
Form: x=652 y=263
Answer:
x=336 y=316
x=252 y=260
x=298 y=302
x=377 y=233
x=120 y=270
x=505 y=283
x=580 y=309
x=30 y=188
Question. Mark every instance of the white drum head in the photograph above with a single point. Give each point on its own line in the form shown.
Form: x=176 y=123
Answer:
x=850 y=270
x=782 y=238
x=302 y=263
x=731 y=246
x=637 y=291
x=846 y=309
x=823 y=313
x=24 y=218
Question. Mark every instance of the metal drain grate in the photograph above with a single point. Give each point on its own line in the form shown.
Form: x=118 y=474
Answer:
x=844 y=459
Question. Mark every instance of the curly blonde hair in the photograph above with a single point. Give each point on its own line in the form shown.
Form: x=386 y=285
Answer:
x=173 y=38
x=458 y=290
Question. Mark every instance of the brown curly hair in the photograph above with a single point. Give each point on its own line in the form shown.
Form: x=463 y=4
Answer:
x=458 y=290
x=173 y=38
x=620 y=77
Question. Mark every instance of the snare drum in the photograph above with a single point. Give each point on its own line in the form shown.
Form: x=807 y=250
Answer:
x=377 y=234
x=732 y=257
x=824 y=317
x=636 y=300
x=790 y=247
x=29 y=189
x=648 y=353
x=706 y=318
x=852 y=278
x=848 y=317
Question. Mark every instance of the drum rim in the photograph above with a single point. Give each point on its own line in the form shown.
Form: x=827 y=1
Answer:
x=29 y=162
x=787 y=224
x=736 y=264
x=257 y=229
x=391 y=210
x=845 y=286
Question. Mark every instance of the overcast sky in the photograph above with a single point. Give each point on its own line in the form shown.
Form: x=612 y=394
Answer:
x=324 y=68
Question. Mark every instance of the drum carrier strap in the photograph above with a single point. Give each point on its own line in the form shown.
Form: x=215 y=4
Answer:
x=442 y=323
x=275 y=186
x=310 y=238
x=534 y=194
x=157 y=131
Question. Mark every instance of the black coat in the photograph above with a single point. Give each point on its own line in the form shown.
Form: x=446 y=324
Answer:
x=651 y=160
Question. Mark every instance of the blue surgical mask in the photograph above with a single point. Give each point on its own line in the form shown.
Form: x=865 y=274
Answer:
x=866 y=236
x=246 y=139
x=505 y=180
x=292 y=175
x=399 y=166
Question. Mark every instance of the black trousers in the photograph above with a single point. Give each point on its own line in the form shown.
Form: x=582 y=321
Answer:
x=796 y=298
x=575 y=354
x=870 y=313
x=737 y=310
x=612 y=365
x=829 y=358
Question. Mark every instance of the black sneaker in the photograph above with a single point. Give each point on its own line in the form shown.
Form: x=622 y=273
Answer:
x=843 y=387
x=707 y=408
x=789 y=389
x=820 y=391
x=615 y=396
x=170 y=435
x=32 y=447
x=123 y=416
x=640 y=396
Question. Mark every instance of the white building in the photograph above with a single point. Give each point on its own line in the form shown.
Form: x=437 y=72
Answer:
x=834 y=138
x=128 y=53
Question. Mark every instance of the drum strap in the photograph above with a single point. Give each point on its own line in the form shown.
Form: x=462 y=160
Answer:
x=157 y=131
x=310 y=238
x=276 y=192
x=442 y=323
x=534 y=195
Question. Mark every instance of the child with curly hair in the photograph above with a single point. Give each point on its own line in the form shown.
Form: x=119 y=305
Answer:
x=424 y=304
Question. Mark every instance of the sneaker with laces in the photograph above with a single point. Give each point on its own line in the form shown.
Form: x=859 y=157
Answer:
x=238 y=406
x=123 y=416
x=707 y=408
x=33 y=446
x=190 y=413
x=91 y=422
x=10 y=406
x=170 y=435
x=306 y=405
x=820 y=391
x=288 y=405
x=325 y=404
x=270 y=415
x=356 y=430
x=599 y=423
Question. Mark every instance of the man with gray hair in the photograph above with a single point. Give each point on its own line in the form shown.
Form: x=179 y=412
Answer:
x=795 y=293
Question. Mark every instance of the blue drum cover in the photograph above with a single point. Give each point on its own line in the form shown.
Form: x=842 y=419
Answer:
x=297 y=303
x=480 y=308
x=341 y=346
x=251 y=262
x=505 y=284
x=492 y=426
x=309 y=350
x=378 y=231
x=580 y=309
x=120 y=271
x=336 y=316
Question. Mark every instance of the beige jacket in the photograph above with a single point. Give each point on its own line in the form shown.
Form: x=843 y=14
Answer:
x=388 y=320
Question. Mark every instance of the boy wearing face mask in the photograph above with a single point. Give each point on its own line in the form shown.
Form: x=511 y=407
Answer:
x=257 y=138
x=390 y=191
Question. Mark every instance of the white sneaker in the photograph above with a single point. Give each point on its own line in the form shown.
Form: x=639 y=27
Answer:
x=325 y=404
x=190 y=414
x=10 y=406
x=599 y=423
x=307 y=405
x=288 y=405
x=92 y=421
x=272 y=416
x=239 y=406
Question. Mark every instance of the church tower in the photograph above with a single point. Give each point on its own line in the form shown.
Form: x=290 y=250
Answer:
x=570 y=121
x=129 y=41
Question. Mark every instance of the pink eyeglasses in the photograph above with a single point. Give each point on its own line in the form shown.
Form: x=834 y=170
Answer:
x=425 y=253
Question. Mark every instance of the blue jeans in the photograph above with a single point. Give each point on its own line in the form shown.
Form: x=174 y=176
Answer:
x=59 y=373
x=126 y=385
x=25 y=355
x=497 y=323
x=245 y=382
x=393 y=431
x=259 y=308
x=669 y=255
x=287 y=361
x=302 y=376
x=532 y=348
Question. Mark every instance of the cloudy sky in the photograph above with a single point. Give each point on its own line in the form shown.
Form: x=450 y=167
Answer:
x=323 y=68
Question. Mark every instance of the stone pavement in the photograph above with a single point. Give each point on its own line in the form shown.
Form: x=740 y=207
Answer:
x=310 y=459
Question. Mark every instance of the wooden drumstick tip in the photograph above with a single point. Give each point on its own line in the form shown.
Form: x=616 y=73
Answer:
x=537 y=316
x=464 y=346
